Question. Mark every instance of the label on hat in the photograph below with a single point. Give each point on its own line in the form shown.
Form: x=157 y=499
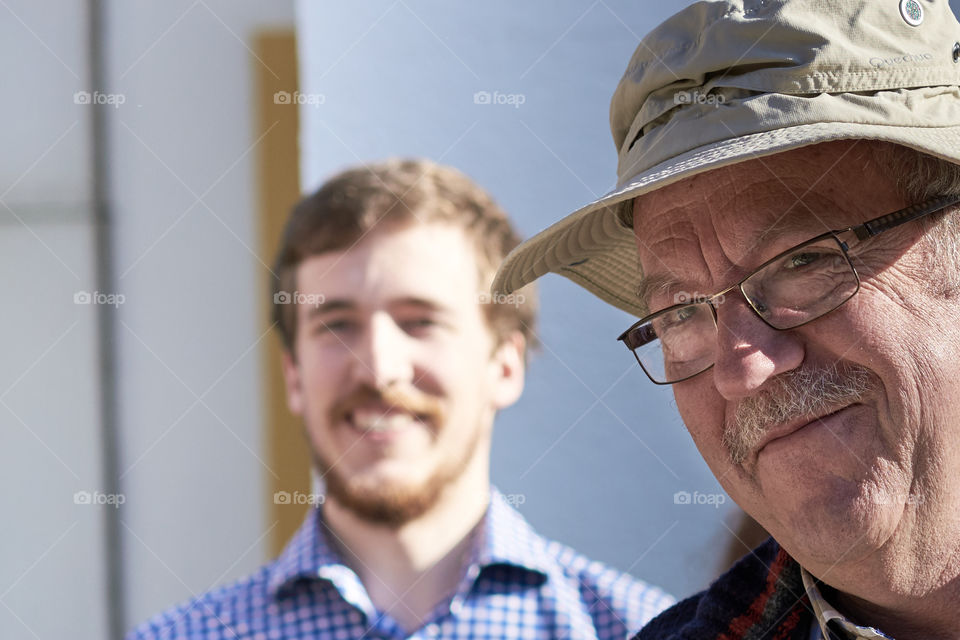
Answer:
x=912 y=12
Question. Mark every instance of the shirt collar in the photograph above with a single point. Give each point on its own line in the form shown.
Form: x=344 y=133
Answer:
x=304 y=556
x=504 y=538
x=834 y=624
x=507 y=538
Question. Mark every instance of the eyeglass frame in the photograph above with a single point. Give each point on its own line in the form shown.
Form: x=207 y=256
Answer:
x=864 y=231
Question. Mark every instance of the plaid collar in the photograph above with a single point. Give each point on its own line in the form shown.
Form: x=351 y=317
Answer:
x=832 y=623
x=504 y=538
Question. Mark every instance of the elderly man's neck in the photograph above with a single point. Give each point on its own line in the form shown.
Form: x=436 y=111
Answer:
x=916 y=602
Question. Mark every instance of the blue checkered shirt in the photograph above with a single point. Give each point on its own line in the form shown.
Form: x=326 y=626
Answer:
x=518 y=585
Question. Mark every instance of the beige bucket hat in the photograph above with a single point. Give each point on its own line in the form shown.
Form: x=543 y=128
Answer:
x=726 y=81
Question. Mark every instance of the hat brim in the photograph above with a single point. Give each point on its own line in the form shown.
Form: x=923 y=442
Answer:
x=592 y=248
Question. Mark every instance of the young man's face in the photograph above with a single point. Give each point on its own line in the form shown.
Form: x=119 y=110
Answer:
x=397 y=374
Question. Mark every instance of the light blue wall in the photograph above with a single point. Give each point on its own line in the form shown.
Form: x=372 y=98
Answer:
x=596 y=452
x=192 y=490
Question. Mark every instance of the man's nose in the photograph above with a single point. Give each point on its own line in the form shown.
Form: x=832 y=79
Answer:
x=750 y=352
x=382 y=357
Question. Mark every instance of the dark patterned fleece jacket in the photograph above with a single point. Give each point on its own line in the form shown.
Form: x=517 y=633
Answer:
x=761 y=597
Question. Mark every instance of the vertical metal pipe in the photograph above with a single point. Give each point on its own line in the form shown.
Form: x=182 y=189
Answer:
x=106 y=322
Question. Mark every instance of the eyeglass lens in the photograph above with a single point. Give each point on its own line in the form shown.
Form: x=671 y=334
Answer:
x=791 y=290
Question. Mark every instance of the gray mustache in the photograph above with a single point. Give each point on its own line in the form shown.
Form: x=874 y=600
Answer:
x=797 y=394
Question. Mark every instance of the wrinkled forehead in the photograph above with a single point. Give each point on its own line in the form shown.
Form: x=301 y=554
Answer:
x=706 y=218
x=738 y=224
x=736 y=209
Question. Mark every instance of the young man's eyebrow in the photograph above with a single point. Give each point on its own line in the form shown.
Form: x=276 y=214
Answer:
x=340 y=304
x=328 y=306
x=416 y=301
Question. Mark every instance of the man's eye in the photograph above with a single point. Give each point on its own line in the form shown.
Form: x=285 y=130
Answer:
x=418 y=324
x=800 y=260
x=679 y=316
x=337 y=325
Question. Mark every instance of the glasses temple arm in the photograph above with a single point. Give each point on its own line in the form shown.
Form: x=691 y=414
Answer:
x=883 y=223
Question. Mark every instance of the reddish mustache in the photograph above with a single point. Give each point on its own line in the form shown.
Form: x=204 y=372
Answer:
x=421 y=405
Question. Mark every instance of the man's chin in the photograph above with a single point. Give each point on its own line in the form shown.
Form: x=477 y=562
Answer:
x=383 y=502
x=833 y=527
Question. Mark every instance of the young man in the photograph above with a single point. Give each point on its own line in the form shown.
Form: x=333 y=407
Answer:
x=788 y=186
x=397 y=362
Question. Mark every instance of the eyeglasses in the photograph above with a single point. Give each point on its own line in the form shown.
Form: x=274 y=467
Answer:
x=789 y=290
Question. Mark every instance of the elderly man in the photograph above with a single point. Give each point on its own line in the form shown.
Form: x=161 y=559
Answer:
x=785 y=228
x=397 y=361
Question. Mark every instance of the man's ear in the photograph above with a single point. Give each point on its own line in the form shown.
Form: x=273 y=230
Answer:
x=509 y=370
x=293 y=382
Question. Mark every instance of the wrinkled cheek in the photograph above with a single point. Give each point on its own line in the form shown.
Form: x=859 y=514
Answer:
x=909 y=369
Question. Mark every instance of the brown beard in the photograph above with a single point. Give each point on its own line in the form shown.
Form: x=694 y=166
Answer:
x=392 y=505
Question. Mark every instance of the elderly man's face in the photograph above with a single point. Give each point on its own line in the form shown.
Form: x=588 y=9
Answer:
x=865 y=473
